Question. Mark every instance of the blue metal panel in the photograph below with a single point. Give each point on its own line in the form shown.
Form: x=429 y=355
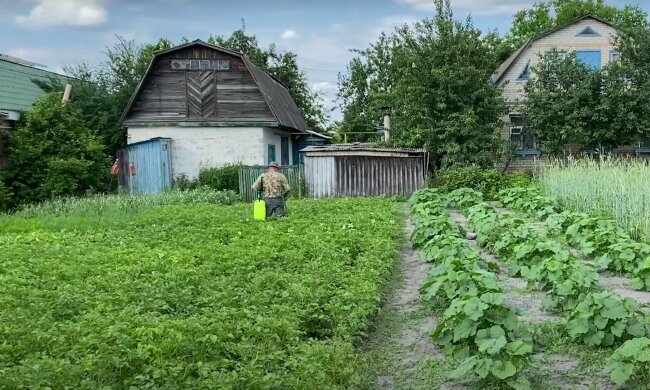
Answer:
x=590 y=58
x=151 y=163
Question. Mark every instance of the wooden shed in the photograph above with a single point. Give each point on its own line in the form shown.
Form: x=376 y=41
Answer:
x=363 y=170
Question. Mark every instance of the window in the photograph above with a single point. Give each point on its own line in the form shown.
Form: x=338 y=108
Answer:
x=270 y=154
x=614 y=56
x=520 y=133
x=591 y=58
x=587 y=32
x=525 y=73
x=189 y=64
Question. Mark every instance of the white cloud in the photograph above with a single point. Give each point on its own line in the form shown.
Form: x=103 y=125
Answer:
x=65 y=13
x=483 y=7
x=289 y=34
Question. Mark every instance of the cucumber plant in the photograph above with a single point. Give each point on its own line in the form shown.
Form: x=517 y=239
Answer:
x=603 y=318
x=487 y=338
x=630 y=363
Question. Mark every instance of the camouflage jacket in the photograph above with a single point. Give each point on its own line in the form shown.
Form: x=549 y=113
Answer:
x=272 y=185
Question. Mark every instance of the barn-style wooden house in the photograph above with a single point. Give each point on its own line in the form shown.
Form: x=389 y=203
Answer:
x=216 y=107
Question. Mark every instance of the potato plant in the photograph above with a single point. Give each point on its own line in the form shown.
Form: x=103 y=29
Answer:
x=194 y=296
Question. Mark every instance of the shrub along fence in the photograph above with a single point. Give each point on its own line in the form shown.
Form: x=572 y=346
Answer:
x=248 y=174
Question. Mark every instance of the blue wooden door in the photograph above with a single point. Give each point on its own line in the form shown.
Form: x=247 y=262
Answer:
x=591 y=58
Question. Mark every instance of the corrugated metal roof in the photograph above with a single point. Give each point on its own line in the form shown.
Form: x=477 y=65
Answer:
x=359 y=147
x=17 y=89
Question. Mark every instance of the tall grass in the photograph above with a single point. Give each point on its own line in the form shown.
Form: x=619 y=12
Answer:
x=101 y=205
x=621 y=187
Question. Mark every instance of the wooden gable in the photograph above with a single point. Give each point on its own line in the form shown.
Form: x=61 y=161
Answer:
x=198 y=83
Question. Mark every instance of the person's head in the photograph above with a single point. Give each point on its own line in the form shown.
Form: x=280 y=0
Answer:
x=274 y=167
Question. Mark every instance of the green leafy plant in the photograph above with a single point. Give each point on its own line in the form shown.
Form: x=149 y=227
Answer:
x=630 y=363
x=565 y=294
x=528 y=199
x=486 y=181
x=223 y=178
x=464 y=198
x=603 y=318
x=487 y=338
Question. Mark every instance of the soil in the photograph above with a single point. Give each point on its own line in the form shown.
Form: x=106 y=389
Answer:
x=527 y=303
x=413 y=339
x=621 y=287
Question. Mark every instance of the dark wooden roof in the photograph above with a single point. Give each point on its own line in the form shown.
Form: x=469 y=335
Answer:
x=498 y=75
x=276 y=95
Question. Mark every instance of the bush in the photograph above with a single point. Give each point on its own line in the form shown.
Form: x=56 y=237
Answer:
x=54 y=153
x=184 y=183
x=487 y=181
x=5 y=195
x=223 y=178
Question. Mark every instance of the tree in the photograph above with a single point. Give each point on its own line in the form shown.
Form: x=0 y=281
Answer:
x=54 y=153
x=570 y=103
x=435 y=77
x=284 y=67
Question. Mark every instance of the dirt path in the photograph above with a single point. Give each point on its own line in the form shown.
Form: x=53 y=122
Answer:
x=401 y=343
x=528 y=303
x=619 y=285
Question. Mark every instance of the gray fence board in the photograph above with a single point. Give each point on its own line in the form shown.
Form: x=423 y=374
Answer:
x=248 y=175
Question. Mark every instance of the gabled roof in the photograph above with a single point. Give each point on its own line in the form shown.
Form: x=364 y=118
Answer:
x=17 y=89
x=505 y=66
x=275 y=94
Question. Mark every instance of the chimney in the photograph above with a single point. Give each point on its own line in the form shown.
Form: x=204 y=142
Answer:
x=67 y=93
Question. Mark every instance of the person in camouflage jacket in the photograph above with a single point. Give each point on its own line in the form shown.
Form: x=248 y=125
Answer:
x=274 y=187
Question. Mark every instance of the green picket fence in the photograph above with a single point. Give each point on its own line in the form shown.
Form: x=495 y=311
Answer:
x=248 y=174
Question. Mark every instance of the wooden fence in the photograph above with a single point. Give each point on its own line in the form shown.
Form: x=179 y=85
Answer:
x=248 y=174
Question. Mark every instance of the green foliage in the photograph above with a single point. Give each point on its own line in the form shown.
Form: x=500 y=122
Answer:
x=54 y=153
x=99 y=205
x=528 y=199
x=223 y=178
x=5 y=194
x=477 y=329
x=630 y=363
x=570 y=103
x=194 y=296
x=602 y=318
x=434 y=78
x=183 y=183
x=487 y=181
x=284 y=67
x=487 y=337
x=464 y=198
x=546 y=15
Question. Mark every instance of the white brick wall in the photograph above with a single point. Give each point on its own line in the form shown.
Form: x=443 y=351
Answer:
x=196 y=147
x=564 y=39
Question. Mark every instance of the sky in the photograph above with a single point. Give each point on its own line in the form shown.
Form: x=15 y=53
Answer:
x=56 y=33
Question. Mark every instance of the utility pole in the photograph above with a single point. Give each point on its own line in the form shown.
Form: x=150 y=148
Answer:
x=386 y=128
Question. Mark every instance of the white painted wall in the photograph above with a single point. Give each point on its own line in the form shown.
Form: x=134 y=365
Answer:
x=274 y=137
x=196 y=147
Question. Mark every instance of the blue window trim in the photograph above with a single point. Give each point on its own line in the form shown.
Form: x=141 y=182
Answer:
x=612 y=53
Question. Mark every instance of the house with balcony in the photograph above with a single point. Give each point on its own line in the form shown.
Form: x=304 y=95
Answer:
x=590 y=37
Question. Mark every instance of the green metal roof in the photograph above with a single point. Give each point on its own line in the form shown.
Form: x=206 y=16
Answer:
x=17 y=90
